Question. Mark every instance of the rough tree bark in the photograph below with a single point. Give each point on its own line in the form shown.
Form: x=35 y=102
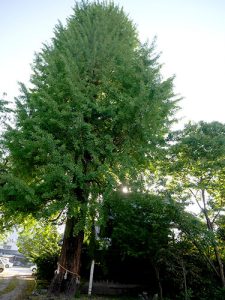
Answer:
x=66 y=279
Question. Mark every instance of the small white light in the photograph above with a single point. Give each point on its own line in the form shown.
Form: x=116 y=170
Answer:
x=125 y=190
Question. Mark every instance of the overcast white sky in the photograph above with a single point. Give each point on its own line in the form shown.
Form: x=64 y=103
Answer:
x=191 y=37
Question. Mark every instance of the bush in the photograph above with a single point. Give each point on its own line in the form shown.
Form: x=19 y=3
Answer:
x=46 y=267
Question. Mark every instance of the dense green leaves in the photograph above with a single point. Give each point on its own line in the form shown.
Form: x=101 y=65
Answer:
x=140 y=223
x=94 y=119
x=160 y=240
x=38 y=239
x=97 y=109
x=198 y=157
x=198 y=164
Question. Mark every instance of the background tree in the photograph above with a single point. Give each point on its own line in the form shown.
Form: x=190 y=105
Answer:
x=97 y=110
x=198 y=166
x=5 y=114
x=158 y=243
x=39 y=241
x=141 y=228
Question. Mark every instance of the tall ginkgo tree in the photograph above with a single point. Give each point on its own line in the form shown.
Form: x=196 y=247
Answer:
x=95 y=113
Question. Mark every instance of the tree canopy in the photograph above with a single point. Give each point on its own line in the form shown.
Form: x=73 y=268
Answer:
x=97 y=109
x=198 y=168
x=95 y=112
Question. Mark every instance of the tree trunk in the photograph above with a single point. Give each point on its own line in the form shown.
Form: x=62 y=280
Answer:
x=185 y=280
x=220 y=264
x=66 y=279
x=215 y=247
x=159 y=282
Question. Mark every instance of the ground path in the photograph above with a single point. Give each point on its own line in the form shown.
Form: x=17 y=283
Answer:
x=16 y=283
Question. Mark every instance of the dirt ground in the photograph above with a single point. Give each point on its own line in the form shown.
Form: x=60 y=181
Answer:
x=16 y=284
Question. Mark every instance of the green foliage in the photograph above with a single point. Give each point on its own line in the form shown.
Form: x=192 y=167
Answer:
x=97 y=110
x=197 y=166
x=4 y=235
x=46 y=266
x=147 y=232
x=220 y=294
x=199 y=154
x=140 y=223
x=38 y=240
x=5 y=112
x=187 y=296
